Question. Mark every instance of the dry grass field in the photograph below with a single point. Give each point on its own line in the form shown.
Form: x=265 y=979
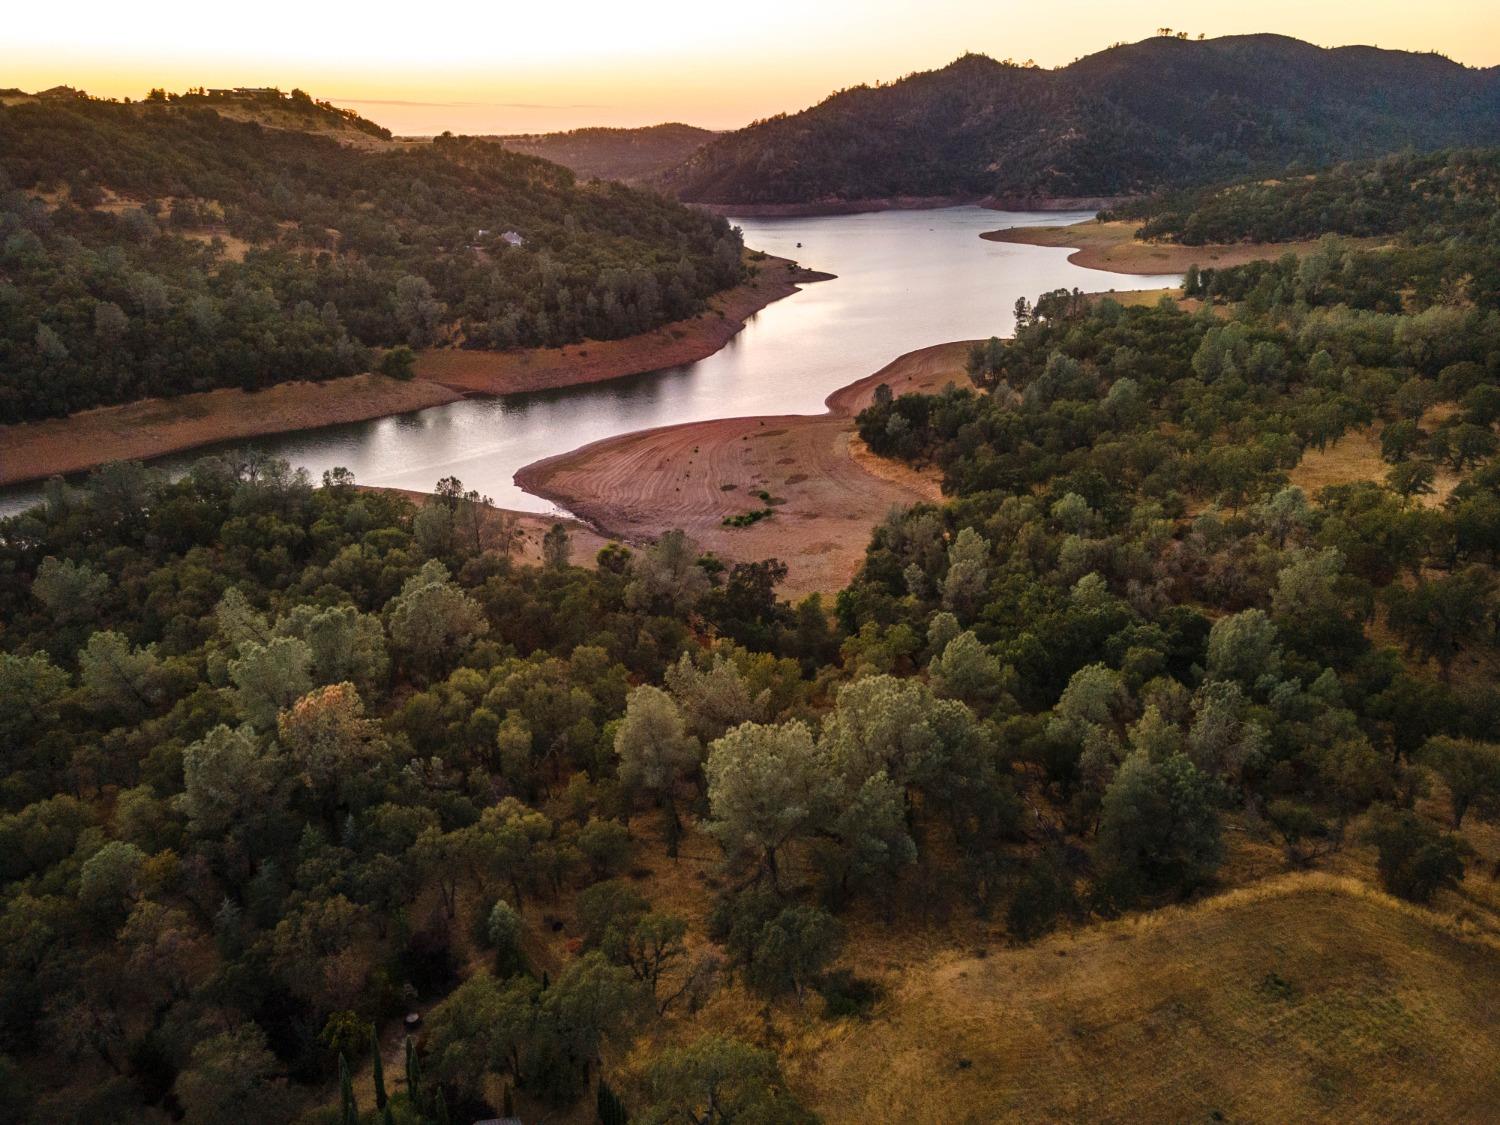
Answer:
x=1304 y=998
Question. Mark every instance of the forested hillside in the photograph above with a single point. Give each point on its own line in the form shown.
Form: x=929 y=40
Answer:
x=166 y=247
x=627 y=155
x=1130 y=119
x=287 y=763
x=1425 y=198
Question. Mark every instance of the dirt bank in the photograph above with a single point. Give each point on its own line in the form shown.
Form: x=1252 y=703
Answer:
x=154 y=426
x=681 y=342
x=909 y=203
x=1113 y=246
x=826 y=490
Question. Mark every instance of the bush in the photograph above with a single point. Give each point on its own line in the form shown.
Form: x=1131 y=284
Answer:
x=1417 y=859
x=399 y=363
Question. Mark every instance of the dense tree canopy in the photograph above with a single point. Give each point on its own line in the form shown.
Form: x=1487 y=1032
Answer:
x=166 y=247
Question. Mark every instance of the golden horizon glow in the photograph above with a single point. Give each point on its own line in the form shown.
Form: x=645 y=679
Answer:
x=506 y=68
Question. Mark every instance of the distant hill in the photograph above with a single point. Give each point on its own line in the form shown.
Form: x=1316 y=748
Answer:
x=628 y=155
x=1135 y=118
x=183 y=243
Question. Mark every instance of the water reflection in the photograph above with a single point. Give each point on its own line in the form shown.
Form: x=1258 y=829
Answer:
x=906 y=279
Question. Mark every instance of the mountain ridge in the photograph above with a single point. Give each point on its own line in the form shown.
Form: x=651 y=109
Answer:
x=1127 y=120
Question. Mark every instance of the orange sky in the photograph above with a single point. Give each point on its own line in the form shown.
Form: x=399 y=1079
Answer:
x=509 y=67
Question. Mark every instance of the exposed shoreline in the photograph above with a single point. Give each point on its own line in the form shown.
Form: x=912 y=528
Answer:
x=827 y=490
x=32 y=451
x=682 y=342
x=814 y=208
x=1113 y=247
x=153 y=427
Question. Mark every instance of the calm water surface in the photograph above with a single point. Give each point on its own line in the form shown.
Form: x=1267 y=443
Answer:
x=906 y=279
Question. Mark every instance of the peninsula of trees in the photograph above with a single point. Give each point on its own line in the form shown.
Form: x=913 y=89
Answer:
x=183 y=243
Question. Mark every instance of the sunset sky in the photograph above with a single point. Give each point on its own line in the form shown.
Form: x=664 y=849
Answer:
x=509 y=67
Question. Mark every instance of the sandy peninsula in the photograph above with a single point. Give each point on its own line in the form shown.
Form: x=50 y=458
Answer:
x=153 y=427
x=1113 y=246
x=827 y=490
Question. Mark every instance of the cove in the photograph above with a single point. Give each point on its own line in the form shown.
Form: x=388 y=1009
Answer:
x=904 y=280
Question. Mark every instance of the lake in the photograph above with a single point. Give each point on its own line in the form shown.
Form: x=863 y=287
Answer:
x=906 y=279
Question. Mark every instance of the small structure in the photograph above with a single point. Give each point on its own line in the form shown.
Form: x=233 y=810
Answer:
x=511 y=238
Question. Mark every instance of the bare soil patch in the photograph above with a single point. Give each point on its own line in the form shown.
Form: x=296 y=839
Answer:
x=830 y=490
x=1113 y=246
x=153 y=426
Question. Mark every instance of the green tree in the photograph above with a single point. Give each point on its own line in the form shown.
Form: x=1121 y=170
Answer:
x=655 y=751
x=767 y=787
x=1470 y=770
x=792 y=949
x=70 y=591
x=1415 y=859
x=232 y=1076
x=665 y=577
x=717 y=1080
x=118 y=678
x=1158 y=830
x=1441 y=617
x=557 y=547
x=432 y=621
x=270 y=677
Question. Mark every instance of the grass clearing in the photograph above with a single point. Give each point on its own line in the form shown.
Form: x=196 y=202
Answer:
x=1304 y=998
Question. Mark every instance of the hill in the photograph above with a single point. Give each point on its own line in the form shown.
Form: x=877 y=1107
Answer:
x=1426 y=197
x=1258 y=1005
x=191 y=242
x=628 y=155
x=1130 y=119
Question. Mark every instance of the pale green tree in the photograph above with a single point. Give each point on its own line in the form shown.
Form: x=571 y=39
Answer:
x=233 y=1076
x=70 y=591
x=1243 y=647
x=655 y=751
x=968 y=573
x=345 y=644
x=715 y=697
x=118 y=678
x=1471 y=771
x=269 y=677
x=666 y=577
x=767 y=787
x=227 y=778
x=717 y=1080
x=967 y=670
x=431 y=620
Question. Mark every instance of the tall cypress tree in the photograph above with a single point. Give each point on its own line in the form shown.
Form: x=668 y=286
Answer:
x=348 y=1112
x=377 y=1067
x=413 y=1076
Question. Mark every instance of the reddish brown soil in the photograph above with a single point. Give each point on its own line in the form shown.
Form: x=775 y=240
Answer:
x=827 y=490
x=683 y=341
x=153 y=426
x=1113 y=246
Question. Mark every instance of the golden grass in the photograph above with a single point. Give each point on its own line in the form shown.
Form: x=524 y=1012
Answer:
x=1306 y=997
x=1356 y=457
